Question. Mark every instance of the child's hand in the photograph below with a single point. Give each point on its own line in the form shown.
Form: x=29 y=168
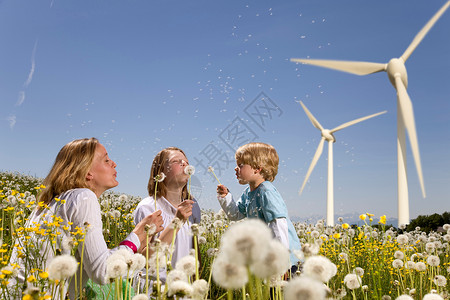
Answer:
x=184 y=210
x=222 y=190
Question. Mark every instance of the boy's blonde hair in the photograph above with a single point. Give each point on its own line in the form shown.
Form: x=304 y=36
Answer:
x=70 y=168
x=259 y=155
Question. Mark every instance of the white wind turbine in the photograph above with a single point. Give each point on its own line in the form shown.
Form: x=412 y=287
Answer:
x=396 y=71
x=327 y=135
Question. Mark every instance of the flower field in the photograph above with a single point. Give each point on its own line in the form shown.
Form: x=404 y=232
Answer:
x=237 y=260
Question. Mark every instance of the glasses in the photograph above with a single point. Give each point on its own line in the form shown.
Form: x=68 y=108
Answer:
x=179 y=162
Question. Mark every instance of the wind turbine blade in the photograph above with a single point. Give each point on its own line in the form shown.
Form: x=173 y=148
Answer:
x=356 y=121
x=406 y=109
x=313 y=164
x=354 y=67
x=422 y=33
x=311 y=117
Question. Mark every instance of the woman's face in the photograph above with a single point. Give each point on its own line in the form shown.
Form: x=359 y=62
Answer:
x=102 y=174
x=174 y=168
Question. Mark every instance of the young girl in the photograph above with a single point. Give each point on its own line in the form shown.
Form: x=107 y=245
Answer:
x=257 y=166
x=169 y=178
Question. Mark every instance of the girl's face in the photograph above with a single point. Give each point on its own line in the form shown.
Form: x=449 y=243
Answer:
x=102 y=174
x=174 y=168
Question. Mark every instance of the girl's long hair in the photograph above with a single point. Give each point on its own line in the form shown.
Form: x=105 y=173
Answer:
x=70 y=168
x=159 y=163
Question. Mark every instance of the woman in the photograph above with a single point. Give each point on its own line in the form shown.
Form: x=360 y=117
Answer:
x=81 y=173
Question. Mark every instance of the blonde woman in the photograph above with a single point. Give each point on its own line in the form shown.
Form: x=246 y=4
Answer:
x=82 y=171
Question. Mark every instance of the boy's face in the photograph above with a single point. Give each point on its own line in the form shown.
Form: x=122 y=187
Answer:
x=246 y=174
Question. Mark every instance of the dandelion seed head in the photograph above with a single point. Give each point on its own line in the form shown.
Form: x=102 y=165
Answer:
x=420 y=266
x=433 y=260
x=404 y=297
x=274 y=261
x=431 y=296
x=304 y=288
x=200 y=289
x=318 y=267
x=140 y=297
x=397 y=263
x=440 y=280
x=179 y=288
x=352 y=281
x=358 y=271
x=62 y=267
x=186 y=264
x=189 y=170
x=399 y=254
x=176 y=275
x=402 y=239
x=228 y=275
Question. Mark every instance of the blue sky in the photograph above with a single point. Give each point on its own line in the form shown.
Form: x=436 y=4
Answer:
x=144 y=75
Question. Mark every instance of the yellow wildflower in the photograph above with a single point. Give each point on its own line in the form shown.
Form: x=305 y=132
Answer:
x=362 y=217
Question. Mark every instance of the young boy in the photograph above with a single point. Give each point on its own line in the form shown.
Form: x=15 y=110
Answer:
x=257 y=166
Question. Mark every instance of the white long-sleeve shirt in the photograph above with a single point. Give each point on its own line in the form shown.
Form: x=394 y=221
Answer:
x=81 y=206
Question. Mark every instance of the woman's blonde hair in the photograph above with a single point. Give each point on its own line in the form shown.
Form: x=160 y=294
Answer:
x=259 y=155
x=70 y=168
x=159 y=163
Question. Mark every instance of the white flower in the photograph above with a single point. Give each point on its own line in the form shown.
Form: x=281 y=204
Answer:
x=397 y=263
x=402 y=239
x=179 y=288
x=274 y=261
x=115 y=266
x=243 y=241
x=68 y=242
x=176 y=275
x=410 y=265
x=433 y=260
x=140 y=297
x=137 y=262
x=160 y=177
x=352 y=281
x=123 y=198
x=228 y=275
x=186 y=264
x=358 y=271
x=430 y=247
x=304 y=288
x=432 y=297
x=399 y=254
x=189 y=170
x=440 y=280
x=309 y=249
x=62 y=267
x=200 y=288
x=318 y=267
x=420 y=266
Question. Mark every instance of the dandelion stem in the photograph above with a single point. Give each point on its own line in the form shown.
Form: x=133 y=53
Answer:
x=146 y=265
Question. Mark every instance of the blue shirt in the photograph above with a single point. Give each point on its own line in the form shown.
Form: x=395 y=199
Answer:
x=266 y=203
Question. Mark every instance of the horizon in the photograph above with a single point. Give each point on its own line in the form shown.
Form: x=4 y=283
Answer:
x=208 y=77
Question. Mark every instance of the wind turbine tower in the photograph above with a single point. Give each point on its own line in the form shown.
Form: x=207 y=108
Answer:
x=327 y=135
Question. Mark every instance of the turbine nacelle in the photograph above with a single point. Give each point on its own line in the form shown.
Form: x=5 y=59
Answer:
x=328 y=135
x=396 y=67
